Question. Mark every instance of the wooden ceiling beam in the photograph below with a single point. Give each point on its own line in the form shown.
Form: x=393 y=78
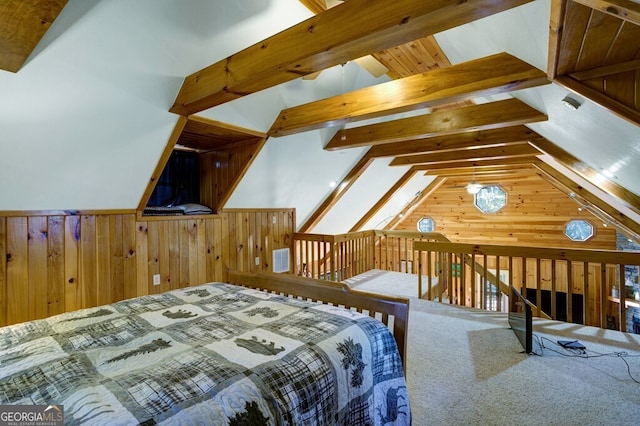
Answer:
x=567 y=160
x=522 y=149
x=22 y=24
x=337 y=193
x=627 y=10
x=424 y=194
x=490 y=75
x=346 y=32
x=568 y=186
x=606 y=70
x=477 y=164
x=384 y=200
x=503 y=169
x=601 y=99
x=493 y=115
x=475 y=139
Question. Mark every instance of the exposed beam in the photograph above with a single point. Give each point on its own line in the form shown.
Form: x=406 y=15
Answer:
x=628 y=198
x=601 y=99
x=568 y=186
x=556 y=27
x=424 y=194
x=476 y=139
x=22 y=25
x=501 y=170
x=627 y=10
x=383 y=200
x=349 y=31
x=606 y=70
x=337 y=193
x=491 y=75
x=522 y=149
x=492 y=115
x=477 y=164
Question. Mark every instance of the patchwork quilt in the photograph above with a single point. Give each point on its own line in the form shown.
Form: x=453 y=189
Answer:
x=213 y=354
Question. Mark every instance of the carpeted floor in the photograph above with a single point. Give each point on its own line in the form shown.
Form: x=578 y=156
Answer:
x=466 y=367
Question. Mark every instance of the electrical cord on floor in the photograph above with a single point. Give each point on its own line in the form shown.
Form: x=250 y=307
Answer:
x=583 y=353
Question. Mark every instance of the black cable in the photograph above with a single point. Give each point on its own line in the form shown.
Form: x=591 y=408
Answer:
x=583 y=353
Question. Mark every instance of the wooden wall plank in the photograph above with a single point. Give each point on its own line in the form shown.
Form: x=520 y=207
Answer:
x=88 y=262
x=103 y=293
x=116 y=250
x=73 y=289
x=129 y=249
x=3 y=271
x=17 y=270
x=142 y=259
x=55 y=265
x=61 y=263
x=174 y=254
x=164 y=257
x=37 y=261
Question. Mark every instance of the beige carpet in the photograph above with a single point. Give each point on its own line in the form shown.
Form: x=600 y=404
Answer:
x=466 y=367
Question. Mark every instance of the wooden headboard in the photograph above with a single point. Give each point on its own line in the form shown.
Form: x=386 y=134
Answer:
x=392 y=311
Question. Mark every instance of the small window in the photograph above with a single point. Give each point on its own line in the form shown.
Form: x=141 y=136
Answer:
x=426 y=224
x=490 y=199
x=578 y=230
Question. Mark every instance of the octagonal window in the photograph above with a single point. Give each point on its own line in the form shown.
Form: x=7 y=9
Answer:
x=490 y=199
x=426 y=224
x=578 y=230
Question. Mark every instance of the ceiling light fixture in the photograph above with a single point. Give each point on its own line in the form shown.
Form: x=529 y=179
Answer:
x=570 y=103
x=473 y=188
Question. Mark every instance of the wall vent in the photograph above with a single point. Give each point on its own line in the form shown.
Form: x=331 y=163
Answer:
x=281 y=260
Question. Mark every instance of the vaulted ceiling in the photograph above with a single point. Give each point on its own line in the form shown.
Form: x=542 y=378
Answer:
x=450 y=102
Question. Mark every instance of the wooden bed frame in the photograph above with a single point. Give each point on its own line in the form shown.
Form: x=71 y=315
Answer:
x=392 y=311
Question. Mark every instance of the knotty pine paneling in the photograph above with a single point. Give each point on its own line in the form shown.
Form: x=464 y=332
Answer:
x=53 y=264
x=535 y=216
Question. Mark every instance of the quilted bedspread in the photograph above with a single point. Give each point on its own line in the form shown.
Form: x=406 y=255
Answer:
x=212 y=354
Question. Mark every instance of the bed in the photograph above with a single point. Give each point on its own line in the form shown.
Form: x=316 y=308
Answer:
x=220 y=353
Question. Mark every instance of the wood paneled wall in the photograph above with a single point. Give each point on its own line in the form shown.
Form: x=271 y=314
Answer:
x=535 y=215
x=57 y=263
x=222 y=169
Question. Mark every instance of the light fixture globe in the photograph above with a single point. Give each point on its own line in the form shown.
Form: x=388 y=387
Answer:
x=473 y=187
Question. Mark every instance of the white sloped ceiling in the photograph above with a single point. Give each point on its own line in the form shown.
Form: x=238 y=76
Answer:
x=83 y=123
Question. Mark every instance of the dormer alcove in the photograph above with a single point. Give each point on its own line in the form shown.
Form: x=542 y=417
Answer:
x=224 y=153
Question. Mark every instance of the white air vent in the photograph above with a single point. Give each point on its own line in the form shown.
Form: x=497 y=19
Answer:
x=281 y=260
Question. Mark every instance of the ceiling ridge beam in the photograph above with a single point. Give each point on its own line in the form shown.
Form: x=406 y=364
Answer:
x=492 y=115
x=384 y=199
x=499 y=73
x=335 y=36
x=337 y=193
x=475 y=139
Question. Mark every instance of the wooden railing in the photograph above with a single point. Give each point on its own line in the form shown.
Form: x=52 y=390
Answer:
x=339 y=257
x=582 y=286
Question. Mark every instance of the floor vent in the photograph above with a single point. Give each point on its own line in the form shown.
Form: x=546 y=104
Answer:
x=281 y=260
